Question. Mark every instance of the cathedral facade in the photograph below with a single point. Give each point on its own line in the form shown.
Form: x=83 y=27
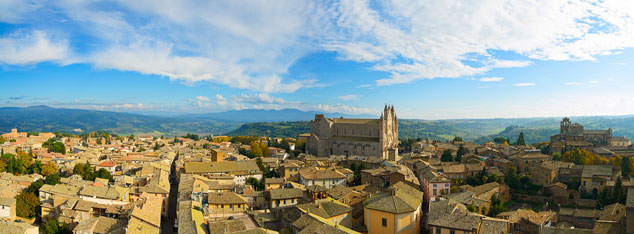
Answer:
x=363 y=137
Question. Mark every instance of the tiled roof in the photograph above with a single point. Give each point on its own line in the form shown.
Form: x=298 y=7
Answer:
x=313 y=173
x=226 y=198
x=325 y=208
x=286 y=193
x=401 y=198
x=226 y=226
x=100 y=192
x=222 y=167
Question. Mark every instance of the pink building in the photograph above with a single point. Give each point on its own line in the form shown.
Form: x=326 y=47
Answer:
x=433 y=184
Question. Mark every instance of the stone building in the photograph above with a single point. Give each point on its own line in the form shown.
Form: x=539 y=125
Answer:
x=365 y=137
x=573 y=136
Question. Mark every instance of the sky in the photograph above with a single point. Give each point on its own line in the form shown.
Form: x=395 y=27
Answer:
x=433 y=59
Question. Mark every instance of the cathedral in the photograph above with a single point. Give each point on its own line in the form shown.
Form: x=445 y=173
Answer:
x=362 y=137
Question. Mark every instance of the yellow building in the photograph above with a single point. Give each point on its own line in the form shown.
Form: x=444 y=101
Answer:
x=226 y=202
x=285 y=197
x=397 y=211
x=329 y=209
x=273 y=183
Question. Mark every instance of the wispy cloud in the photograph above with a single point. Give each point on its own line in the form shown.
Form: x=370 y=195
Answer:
x=491 y=79
x=349 y=97
x=523 y=84
x=217 y=42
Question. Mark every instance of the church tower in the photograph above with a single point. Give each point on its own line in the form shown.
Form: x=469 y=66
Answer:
x=389 y=133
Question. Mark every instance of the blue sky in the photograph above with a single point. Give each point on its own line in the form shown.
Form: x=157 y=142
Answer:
x=431 y=59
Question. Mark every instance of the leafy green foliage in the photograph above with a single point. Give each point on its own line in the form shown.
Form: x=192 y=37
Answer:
x=54 y=146
x=54 y=227
x=27 y=205
x=446 y=156
x=520 y=139
x=614 y=195
x=87 y=173
x=192 y=136
x=461 y=152
x=357 y=168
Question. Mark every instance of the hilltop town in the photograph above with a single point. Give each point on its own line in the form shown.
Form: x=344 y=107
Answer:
x=344 y=176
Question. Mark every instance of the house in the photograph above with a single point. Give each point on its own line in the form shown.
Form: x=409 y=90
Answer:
x=546 y=173
x=290 y=171
x=100 y=225
x=273 y=183
x=595 y=177
x=105 y=194
x=528 y=160
x=327 y=177
x=525 y=221
x=579 y=218
x=226 y=202
x=284 y=197
x=108 y=165
x=396 y=211
x=7 y=208
x=239 y=170
x=329 y=209
x=433 y=184
x=13 y=227
x=147 y=218
x=389 y=175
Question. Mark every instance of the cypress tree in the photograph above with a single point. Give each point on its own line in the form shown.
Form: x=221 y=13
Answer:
x=520 y=139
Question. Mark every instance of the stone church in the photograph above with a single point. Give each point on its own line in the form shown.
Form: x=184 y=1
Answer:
x=362 y=137
x=573 y=136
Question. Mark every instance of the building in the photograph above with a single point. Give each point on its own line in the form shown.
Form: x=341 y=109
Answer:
x=396 y=211
x=529 y=160
x=524 y=221
x=573 y=136
x=331 y=210
x=7 y=208
x=547 y=172
x=365 y=137
x=226 y=202
x=433 y=184
x=285 y=197
x=327 y=177
x=389 y=175
x=595 y=177
x=239 y=170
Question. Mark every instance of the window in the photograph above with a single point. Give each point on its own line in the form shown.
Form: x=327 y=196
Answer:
x=435 y=192
x=526 y=161
x=447 y=185
x=452 y=232
x=438 y=231
x=435 y=185
x=384 y=222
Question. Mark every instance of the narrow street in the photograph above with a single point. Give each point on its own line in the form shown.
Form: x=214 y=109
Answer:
x=167 y=224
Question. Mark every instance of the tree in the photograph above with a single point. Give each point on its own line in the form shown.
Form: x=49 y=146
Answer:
x=54 y=227
x=446 y=156
x=2 y=140
x=300 y=145
x=520 y=139
x=512 y=178
x=104 y=174
x=27 y=204
x=556 y=156
x=457 y=139
x=499 y=140
x=192 y=136
x=49 y=168
x=461 y=152
x=53 y=179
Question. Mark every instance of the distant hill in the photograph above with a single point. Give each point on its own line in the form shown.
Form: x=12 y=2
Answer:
x=48 y=119
x=258 y=115
x=278 y=129
x=288 y=123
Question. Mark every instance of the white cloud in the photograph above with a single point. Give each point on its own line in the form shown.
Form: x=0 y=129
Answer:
x=349 y=97
x=25 y=48
x=573 y=83
x=430 y=39
x=593 y=82
x=491 y=79
x=523 y=84
x=259 y=98
x=221 y=100
x=251 y=45
x=346 y=109
x=202 y=98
